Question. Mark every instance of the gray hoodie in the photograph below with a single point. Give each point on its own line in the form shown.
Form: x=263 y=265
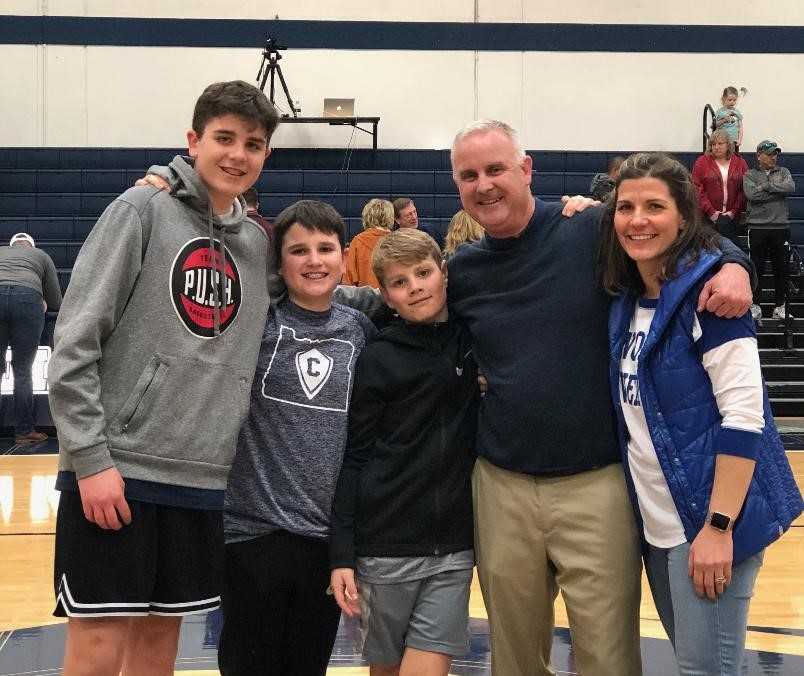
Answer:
x=146 y=375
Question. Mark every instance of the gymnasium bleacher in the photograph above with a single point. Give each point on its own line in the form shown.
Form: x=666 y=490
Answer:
x=57 y=194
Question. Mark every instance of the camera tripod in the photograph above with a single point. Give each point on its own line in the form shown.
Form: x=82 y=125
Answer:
x=269 y=67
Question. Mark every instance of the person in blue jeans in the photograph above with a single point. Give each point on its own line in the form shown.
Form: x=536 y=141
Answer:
x=706 y=470
x=28 y=286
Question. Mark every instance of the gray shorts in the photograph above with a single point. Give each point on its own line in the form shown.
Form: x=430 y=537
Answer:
x=429 y=614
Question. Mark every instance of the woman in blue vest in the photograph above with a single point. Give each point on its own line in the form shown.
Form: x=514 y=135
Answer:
x=708 y=475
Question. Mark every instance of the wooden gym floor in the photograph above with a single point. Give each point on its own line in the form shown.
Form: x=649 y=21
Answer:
x=31 y=639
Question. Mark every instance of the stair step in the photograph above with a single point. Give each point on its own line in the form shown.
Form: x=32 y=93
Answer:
x=775 y=338
x=770 y=324
x=776 y=356
x=784 y=406
x=785 y=390
x=784 y=372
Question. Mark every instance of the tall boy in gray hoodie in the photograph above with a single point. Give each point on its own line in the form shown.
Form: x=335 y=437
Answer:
x=155 y=349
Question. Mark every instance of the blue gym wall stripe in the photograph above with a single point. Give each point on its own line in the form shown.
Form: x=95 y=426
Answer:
x=400 y=35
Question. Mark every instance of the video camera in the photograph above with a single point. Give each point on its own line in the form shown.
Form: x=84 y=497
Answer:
x=272 y=46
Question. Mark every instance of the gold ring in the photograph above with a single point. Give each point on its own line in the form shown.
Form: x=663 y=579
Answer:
x=720 y=580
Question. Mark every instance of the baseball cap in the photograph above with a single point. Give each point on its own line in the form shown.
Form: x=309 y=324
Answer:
x=768 y=147
x=22 y=236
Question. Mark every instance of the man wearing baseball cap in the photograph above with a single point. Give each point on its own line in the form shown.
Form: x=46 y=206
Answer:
x=766 y=188
x=28 y=286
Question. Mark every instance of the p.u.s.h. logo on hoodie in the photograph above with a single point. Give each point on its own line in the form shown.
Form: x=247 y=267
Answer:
x=195 y=272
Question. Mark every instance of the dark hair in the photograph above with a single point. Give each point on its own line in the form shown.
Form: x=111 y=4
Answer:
x=310 y=214
x=729 y=91
x=235 y=98
x=251 y=197
x=618 y=271
x=401 y=203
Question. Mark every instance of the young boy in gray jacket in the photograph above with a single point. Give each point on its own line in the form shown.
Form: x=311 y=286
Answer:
x=155 y=349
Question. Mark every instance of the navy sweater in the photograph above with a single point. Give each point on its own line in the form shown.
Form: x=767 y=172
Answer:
x=538 y=318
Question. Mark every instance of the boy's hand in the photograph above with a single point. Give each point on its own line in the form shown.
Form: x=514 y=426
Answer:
x=482 y=383
x=152 y=180
x=576 y=204
x=103 y=499
x=342 y=582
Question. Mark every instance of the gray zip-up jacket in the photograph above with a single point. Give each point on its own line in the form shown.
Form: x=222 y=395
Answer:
x=146 y=375
x=766 y=194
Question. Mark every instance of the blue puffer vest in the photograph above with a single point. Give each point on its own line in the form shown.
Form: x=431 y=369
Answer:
x=684 y=421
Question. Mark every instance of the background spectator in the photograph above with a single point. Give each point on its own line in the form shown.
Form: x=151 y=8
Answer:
x=462 y=228
x=718 y=177
x=252 y=199
x=406 y=216
x=28 y=286
x=603 y=184
x=766 y=188
x=378 y=218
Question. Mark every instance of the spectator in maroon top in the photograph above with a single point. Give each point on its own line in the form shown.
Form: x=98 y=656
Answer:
x=252 y=211
x=718 y=177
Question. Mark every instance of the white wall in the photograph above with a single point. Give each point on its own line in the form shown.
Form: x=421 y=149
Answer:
x=123 y=96
x=678 y=12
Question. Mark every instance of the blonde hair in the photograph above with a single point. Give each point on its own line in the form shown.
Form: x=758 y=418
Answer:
x=719 y=135
x=407 y=246
x=378 y=213
x=462 y=228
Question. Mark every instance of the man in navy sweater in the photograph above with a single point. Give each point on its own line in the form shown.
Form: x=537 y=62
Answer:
x=551 y=507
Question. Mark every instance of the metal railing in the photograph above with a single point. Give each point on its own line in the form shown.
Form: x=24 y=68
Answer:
x=707 y=127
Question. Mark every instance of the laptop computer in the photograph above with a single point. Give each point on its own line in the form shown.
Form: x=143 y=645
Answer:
x=339 y=107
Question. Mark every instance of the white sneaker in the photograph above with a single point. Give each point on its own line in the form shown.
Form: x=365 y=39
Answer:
x=756 y=312
x=779 y=313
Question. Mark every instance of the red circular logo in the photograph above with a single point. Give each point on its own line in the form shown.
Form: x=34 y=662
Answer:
x=197 y=270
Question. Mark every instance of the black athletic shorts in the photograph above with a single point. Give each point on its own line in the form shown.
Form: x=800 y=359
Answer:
x=167 y=561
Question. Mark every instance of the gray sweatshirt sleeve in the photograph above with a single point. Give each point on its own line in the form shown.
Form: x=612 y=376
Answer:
x=102 y=280
x=781 y=182
x=363 y=298
x=756 y=187
x=50 y=285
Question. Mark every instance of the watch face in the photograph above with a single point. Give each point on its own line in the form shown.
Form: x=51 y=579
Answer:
x=719 y=521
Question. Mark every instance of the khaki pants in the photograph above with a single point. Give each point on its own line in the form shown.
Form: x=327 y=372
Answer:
x=536 y=535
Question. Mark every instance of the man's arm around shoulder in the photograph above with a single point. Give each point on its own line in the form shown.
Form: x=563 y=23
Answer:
x=728 y=293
